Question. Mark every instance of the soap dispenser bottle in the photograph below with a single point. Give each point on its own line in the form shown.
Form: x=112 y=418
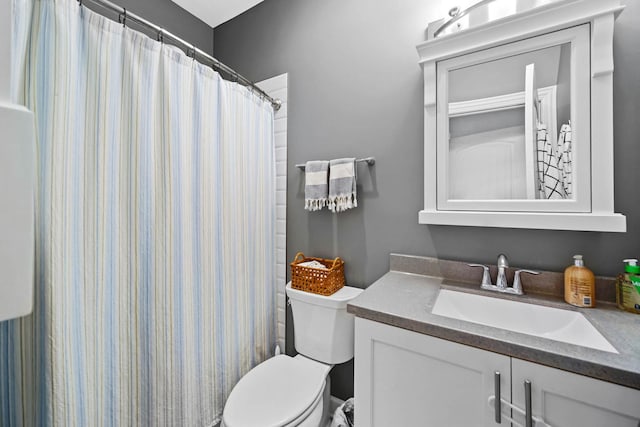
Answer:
x=628 y=287
x=579 y=284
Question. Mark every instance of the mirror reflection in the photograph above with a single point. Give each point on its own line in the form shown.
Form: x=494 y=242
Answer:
x=510 y=127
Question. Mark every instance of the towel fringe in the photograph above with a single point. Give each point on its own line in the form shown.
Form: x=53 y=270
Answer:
x=315 y=204
x=342 y=202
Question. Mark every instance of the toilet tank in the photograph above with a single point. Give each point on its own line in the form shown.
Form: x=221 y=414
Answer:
x=323 y=329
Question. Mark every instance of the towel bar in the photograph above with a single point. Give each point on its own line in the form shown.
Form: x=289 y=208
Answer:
x=370 y=161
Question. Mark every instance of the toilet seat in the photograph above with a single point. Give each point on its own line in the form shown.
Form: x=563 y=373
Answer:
x=280 y=391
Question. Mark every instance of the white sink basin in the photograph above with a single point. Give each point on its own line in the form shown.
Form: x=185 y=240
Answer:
x=540 y=321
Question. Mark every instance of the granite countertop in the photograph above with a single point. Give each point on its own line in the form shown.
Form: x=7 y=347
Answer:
x=406 y=299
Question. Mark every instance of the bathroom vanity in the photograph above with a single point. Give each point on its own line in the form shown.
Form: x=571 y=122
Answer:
x=417 y=368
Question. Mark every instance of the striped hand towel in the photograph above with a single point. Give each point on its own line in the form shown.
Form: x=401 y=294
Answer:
x=342 y=184
x=316 y=184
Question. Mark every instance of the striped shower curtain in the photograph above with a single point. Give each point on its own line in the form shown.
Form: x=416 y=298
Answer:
x=155 y=240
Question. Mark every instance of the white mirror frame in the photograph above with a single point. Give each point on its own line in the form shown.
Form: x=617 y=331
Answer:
x=581 y=202
x=593 y=209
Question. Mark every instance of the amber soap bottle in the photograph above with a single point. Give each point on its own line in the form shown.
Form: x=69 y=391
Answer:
x=579 y=284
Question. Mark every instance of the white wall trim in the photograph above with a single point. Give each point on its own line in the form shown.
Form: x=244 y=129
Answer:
x=500 y=102
x=277 y=87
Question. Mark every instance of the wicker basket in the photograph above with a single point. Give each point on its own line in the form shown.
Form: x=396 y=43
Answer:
x=317 y=280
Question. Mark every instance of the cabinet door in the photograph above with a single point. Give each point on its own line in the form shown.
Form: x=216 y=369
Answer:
x=564 y=399
x=406 y=379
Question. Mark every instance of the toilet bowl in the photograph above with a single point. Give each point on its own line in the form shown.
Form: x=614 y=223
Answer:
x=286 y=391
x=282 y=391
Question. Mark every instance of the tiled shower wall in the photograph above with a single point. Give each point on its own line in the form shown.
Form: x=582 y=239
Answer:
x=277 y=88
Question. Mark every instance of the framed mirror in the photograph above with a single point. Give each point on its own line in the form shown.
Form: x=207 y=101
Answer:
x=518 y=116
x=513 y=127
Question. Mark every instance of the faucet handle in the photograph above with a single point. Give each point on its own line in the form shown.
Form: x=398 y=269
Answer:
x=517 y=284
x=486 y=277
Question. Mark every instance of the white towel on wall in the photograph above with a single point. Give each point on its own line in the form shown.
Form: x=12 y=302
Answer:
x=342 y=184
x=565 y=158
x=316 y=184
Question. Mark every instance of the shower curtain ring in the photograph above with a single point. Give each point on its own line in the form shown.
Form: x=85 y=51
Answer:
x=161 y=35
x=123 y=16
x=193 y=52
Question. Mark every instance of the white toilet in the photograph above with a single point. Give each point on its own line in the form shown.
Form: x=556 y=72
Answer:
x=289 y=391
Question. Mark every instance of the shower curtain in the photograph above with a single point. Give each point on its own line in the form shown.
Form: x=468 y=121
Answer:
x=155 y=230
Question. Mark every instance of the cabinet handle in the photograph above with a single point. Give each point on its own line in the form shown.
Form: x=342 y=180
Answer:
x=497 y=404
x=528 y=417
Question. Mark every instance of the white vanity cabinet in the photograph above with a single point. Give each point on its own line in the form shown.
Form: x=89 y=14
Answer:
x=563 y=398
x=404 y=378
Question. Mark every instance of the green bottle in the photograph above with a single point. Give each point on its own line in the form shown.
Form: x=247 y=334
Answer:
x=628 y=287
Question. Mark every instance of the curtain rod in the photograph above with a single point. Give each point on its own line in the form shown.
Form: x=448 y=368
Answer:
x=190 y=49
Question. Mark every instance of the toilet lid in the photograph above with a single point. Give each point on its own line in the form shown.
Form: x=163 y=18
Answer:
x=274 y=393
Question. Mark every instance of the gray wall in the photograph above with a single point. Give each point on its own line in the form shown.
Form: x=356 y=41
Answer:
x=169 y=16
x=504 y=75
x=356 y=90
x=476 y=123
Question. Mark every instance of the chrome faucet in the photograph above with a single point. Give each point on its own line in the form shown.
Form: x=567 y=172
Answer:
x=501 y=281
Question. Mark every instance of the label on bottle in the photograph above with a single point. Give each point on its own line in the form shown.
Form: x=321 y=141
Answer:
x=579 y=287
x=629 y=293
